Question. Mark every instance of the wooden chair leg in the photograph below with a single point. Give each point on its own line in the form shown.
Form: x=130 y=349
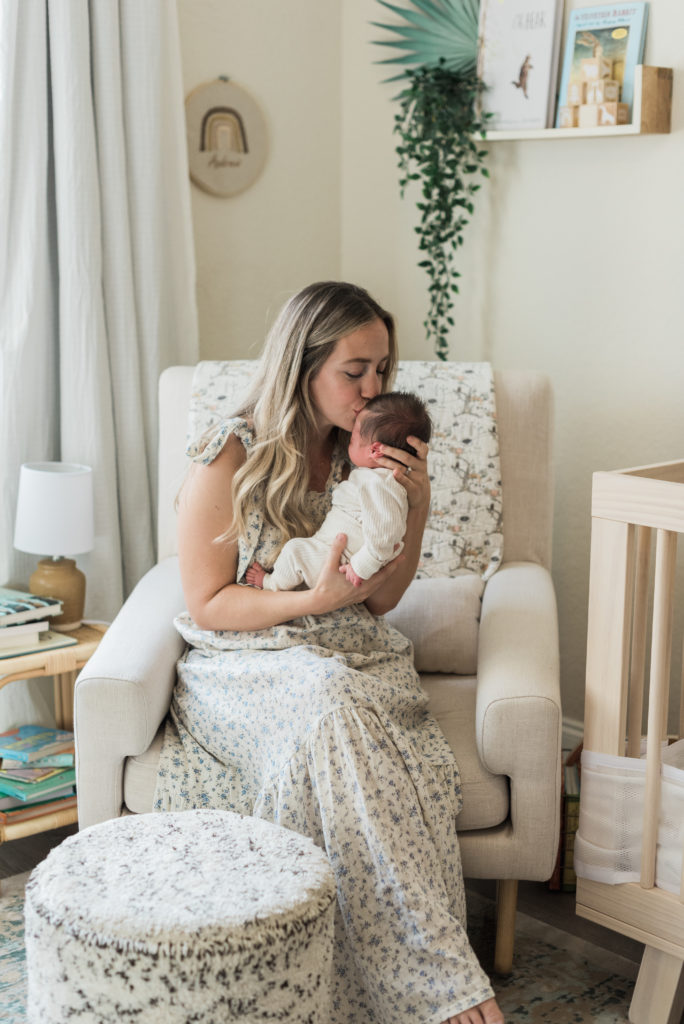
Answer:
x=659 y=991
x=506 y=902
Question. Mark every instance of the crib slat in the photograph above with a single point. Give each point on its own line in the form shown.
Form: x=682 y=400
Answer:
x=638 y=659
x=611 y=590
x=661 y=645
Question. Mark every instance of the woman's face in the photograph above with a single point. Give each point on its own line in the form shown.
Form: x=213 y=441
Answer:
x=350 y=376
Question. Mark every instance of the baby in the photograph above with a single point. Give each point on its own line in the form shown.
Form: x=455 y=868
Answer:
x=370 y=507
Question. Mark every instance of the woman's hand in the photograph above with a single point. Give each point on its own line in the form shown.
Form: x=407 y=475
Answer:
x=412 y=473
x=333 y=590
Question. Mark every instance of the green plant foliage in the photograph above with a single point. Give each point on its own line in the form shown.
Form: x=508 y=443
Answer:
x=434 y=31
x=439 y=125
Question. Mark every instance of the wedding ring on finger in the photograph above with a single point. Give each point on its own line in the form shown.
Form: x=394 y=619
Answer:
x=408 y=470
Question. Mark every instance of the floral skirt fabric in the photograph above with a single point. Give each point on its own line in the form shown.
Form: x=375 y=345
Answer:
x=295 y=725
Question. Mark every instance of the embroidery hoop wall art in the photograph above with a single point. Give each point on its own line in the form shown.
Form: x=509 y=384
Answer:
x=226 y=134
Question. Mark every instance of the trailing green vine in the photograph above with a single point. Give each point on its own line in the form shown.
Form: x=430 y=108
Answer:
x=439 y=124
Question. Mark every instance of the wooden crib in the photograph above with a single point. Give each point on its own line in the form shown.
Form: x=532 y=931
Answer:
x=634 y=511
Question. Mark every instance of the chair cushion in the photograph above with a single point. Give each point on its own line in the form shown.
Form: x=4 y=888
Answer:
x=486 y=797
x=442 y=619
x=140 y=776
x=452 y=701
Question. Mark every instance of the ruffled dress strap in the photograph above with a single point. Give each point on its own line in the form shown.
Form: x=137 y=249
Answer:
x=205 y=448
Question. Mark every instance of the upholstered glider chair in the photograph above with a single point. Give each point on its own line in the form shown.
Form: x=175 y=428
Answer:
x=487 y=651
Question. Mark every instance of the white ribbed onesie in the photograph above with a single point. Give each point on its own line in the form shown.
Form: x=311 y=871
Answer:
x=371 y=508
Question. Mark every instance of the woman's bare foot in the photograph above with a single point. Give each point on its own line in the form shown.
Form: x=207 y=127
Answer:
x=255 y=575
x=484 y=1013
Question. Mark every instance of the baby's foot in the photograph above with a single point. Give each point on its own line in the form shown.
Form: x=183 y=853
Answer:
x=351 y=575
x=484 y=1013
x=255 y=575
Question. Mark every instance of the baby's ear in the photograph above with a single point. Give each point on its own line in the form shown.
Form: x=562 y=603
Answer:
x=375 y=447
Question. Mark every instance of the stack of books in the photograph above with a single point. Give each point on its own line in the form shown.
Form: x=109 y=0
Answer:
x=564 y=877
x=37 y=772
x=25 y=626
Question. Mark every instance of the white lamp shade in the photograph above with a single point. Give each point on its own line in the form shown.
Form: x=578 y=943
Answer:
x=55 y=509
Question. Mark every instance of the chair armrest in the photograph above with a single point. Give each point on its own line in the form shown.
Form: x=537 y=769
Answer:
x=124 y=691
x=518 y=708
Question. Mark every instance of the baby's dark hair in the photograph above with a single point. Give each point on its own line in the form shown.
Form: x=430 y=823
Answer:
x=392 y=417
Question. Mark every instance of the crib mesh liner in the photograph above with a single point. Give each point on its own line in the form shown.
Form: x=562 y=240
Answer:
x=608 y=841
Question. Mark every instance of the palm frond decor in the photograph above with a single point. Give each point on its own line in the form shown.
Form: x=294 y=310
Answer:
x=436 y=31
x=439 y=123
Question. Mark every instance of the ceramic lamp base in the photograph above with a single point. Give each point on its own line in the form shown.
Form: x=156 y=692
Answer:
x=61 y=579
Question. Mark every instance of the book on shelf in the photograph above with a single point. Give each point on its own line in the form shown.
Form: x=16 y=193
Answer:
x=57 y=760
x=518 y=47
x=12 y=809
x=17 y=606
x=29 y=773
x=603 y=46
x=61 y=779
x=27 y=743
x=45 y=642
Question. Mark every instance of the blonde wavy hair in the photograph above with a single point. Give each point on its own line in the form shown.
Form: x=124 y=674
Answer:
x=279 y=402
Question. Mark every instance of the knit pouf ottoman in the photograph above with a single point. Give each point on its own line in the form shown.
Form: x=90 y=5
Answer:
x=194 y=916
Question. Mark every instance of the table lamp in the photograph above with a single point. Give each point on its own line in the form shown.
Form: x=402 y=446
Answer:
x=55 y=517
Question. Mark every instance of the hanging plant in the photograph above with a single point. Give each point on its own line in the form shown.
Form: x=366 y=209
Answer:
x=439 y=123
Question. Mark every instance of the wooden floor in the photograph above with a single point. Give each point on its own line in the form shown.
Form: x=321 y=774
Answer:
x=534 y=899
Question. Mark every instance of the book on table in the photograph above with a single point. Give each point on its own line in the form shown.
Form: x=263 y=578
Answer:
x=27 y=743
x=603 y=46
x=19 y=606
x=22 y=632
x=60 y=780
x=47 y=641
x=518 y=47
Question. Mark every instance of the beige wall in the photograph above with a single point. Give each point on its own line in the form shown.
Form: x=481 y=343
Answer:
x=253 y=250
x=573 y=263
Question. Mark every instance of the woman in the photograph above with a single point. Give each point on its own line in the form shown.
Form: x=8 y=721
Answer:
x=303 y=707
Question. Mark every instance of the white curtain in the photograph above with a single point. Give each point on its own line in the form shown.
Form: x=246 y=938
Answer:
x=96 y=263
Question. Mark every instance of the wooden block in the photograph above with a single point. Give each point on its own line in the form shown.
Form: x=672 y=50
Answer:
x=568 y=117
x=655 y=112
x=612 y=113
x=596 y=67
x=588 y=115
x=576 y=93
x=603 y=90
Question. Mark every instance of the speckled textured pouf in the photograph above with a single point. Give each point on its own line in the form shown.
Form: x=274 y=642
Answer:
x=195 y=916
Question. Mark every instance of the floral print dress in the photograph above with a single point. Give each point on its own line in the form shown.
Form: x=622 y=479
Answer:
x=321 y=725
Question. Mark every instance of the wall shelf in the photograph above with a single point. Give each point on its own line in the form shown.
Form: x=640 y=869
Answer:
x=651 y=112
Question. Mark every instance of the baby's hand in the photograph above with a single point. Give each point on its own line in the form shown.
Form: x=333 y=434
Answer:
x=255 y=575
x=352 y=577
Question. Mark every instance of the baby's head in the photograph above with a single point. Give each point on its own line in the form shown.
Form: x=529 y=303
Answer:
x=389 y=419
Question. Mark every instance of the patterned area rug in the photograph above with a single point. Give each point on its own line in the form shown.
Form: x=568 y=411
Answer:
x=557 y=978
x=12 y=962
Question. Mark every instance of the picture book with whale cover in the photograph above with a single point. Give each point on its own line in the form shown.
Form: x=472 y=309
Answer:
x=518 y=46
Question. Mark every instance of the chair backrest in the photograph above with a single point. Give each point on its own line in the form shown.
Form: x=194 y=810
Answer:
x=525 y=425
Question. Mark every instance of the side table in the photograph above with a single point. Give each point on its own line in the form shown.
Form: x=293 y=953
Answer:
x=64 y=663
